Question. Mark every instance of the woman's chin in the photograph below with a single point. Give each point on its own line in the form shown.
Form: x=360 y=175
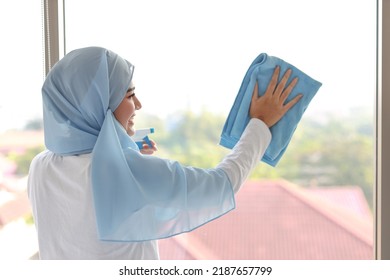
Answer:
x=130 y=131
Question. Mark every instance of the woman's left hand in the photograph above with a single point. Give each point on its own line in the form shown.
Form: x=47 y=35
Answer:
x=147 y=150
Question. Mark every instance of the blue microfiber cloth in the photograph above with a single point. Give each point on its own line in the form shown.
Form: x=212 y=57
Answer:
x=261 y=70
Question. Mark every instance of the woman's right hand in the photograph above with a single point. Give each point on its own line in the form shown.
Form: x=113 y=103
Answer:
x=147 y=150
x=270 y=107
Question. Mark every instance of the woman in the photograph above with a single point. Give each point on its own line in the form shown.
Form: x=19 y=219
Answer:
x=95 y=195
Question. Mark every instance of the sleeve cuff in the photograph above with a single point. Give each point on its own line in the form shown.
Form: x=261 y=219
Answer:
x=261 y=128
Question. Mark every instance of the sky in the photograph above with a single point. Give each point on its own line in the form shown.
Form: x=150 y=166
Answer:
x=194 y=54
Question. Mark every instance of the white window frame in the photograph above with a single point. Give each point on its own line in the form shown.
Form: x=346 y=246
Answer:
x=382 y=182
x=54 y=19
x=54 y=31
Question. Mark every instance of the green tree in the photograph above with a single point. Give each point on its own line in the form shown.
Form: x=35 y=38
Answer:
x=34 y=124
x=334 y=152
x=193 y=139
x=23 y=161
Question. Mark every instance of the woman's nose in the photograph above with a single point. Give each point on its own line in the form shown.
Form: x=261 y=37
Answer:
x=137 y=103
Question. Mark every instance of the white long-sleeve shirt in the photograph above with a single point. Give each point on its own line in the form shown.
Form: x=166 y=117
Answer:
x=60 y=191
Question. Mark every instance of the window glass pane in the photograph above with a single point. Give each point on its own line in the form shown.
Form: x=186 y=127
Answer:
x=190 y=58
x=21 y=137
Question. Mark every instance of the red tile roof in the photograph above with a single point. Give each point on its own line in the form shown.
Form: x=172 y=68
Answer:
x=278 y=220
x=14 y=209
x=14 y=203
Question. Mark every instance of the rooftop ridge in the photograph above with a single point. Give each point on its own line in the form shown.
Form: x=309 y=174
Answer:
x=332 y=194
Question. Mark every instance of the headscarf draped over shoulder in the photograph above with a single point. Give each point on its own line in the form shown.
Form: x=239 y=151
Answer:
x=136 y=197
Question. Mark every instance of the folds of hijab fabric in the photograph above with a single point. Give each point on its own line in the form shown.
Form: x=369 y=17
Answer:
x=136 y=197
x=140 y=197
x=261 y=70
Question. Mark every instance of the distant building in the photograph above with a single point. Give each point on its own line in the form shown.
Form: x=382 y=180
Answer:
x=18 y=238
x=13 y=205
x=275 y=219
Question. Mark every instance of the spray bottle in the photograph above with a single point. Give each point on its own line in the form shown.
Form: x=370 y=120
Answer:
x=141 y=135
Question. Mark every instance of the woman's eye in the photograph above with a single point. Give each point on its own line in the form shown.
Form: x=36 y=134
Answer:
x=131 y=95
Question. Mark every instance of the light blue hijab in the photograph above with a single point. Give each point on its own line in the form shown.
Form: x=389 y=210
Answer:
x=137 y=197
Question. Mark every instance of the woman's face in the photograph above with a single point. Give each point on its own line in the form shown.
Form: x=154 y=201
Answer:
x=125 y=112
